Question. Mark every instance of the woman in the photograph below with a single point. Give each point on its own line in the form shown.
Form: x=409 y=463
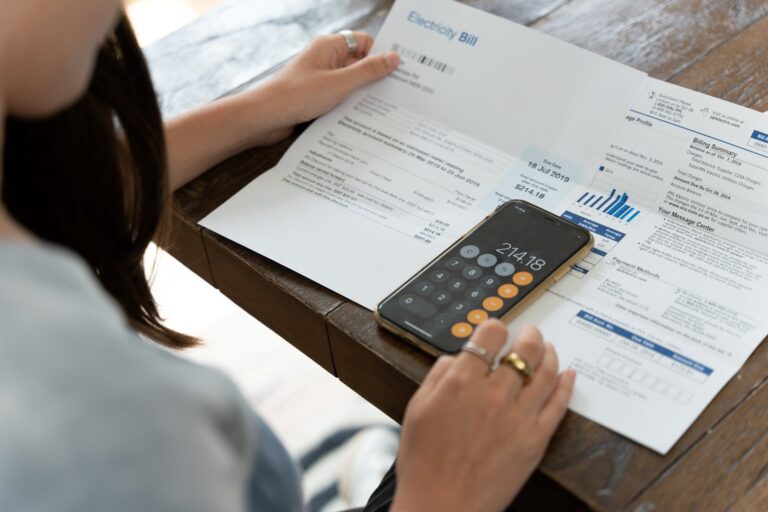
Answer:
x=93 y=417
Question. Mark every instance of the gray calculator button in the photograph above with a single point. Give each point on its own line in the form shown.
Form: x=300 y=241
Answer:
x=454 y=263
x=441 y=297
x=439 y=275
x=505 y=269
x=457 y=285
x=425 y=288
x=475 y=294
x=418 y=306
x=470 y=251
x=487 y=260
x=491 y=281
x=472 y=272
x=459 y=307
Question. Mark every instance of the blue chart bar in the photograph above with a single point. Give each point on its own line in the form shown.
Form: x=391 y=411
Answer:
x=613 y=193
x=619 y=204
x=614 y=204
x=621 y=211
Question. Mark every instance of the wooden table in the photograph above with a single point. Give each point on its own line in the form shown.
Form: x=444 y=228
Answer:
x=718 y=47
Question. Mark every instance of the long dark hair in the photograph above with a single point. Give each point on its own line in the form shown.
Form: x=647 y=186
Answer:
x=94 y=178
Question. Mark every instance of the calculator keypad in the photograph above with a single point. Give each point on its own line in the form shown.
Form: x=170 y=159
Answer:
x=463 y=290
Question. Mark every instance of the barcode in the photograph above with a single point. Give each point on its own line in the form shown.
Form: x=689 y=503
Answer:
x=422 y=59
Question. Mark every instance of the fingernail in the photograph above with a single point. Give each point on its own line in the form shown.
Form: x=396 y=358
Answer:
x=393 y=60
x=570 y=374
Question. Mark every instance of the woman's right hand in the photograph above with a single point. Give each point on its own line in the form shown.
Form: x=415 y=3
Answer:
x=471 y=438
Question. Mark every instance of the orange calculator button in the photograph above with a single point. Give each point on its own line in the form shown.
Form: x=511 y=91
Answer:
x=522 y=278
x=508 y=291
x=461 y=330
x=477 y=316
x=493 y=303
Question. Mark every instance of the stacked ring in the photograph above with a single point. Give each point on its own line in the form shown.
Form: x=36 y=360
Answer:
x=478 y=351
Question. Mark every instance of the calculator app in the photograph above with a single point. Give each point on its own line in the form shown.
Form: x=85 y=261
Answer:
x=483 y=276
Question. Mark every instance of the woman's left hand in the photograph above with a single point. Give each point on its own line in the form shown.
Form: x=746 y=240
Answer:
x=315 y=81
x=325 y=74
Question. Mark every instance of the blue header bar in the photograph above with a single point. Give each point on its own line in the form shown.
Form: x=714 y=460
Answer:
x=762 y=137
x=594 y=227
x=678 y=358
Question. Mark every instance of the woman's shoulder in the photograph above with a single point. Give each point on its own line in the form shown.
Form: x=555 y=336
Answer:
x=55 y=315
x=86 y=387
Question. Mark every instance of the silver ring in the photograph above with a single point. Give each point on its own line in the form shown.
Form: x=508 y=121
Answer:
x=481 y=352
x=351 y=40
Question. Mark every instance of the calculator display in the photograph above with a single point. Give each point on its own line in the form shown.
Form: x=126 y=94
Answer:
x=484 y=276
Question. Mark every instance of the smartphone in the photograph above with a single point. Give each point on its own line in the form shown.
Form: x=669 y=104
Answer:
x=495 y=271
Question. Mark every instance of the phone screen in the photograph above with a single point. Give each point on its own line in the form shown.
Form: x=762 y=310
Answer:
x=483 y=276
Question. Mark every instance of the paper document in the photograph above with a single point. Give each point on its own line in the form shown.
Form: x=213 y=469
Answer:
x=667 y=306
x=670 y=303
x=397 y=173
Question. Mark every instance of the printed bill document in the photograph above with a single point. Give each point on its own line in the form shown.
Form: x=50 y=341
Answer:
x=665 y=309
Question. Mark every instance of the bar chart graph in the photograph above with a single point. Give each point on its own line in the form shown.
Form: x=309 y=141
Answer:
x=616 y=204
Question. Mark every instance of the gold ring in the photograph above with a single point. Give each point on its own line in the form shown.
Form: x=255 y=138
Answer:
x=519 y=364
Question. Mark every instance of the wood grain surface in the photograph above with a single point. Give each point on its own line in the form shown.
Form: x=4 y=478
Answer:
x=717 y=47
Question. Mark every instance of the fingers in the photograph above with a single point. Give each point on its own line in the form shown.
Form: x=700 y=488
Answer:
x=364 y=43
x=490 y=335
x=337 y=44
x=350 y=71
x=437 y=371
x=555 y=407
x=543 y=382
x=530 y=346
x=367 y=70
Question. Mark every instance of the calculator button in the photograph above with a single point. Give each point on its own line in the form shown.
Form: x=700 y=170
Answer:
x=491 y=282
x=425 y=288
x=470 y=251
x=459 y=307
x=508 y=291
x=487 y=260
x=441 y=297
x=474 y=294
x=522 y=278
x=493 y=304
x=461 y=330
x=505 y=269
x=418 y=306
x=439 y=276
x=477 y=316
x=454 y=263
x=472 y=272
x=457 y=285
